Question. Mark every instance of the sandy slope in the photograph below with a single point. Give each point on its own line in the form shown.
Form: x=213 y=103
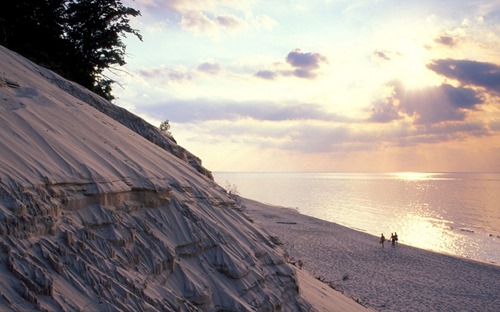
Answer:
x=399 y=279
x=95 y=217
x=323 y=298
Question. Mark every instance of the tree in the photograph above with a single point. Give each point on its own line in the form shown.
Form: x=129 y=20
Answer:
x=33 y=28
x=95 y=28
x=165 y=128
x=78 y=39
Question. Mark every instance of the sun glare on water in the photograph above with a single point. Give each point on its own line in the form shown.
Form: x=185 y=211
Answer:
x=415 y=176
x=430 y=233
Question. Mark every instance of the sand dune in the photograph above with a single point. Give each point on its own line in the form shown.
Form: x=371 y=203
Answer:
x=99 y=211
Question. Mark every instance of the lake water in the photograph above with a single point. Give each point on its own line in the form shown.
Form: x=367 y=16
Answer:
x=455 y=213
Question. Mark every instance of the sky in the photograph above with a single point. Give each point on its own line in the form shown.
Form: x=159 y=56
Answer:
x=320 y=85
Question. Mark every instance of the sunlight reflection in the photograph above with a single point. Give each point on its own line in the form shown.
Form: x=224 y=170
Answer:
x=430 y=233
x=416 y=176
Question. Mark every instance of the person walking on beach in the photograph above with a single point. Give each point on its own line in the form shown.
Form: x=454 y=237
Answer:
x=382 y=240
x=393 y=240
x=395 y=237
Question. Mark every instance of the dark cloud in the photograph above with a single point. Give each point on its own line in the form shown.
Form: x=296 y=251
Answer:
x=440 y=104
x=461 y=97
x=229 y=21
x=303 y=65
x=381 y=55
x=446 y=40
x=210 y=68
x=317 y=138
x=305 y=61
x=427 y=106
x=266 y=74
x=304 y=73
x=469 y=73
x=385 y=111
x=454 y=130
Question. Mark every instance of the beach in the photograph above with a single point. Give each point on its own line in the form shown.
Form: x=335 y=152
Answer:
x=403 y=278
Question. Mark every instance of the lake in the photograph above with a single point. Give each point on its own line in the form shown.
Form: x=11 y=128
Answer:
x=454 y=213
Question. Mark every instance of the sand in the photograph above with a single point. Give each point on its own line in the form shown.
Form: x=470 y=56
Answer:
x=323 y=298
x=403 y=278
x=97 y=217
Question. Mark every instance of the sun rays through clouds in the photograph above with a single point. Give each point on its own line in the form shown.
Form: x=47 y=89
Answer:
x=322 y=85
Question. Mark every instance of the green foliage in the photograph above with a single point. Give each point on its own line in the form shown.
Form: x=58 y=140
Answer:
x=79 y=39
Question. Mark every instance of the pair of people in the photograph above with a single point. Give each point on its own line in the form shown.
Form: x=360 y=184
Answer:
x=394 y=239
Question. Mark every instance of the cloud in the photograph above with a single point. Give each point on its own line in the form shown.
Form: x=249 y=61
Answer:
x=229 y=21
x=309 y=128
x=446 y=40
x=321 y=138
x=205 y=16
x=266 y=74
x=331 y=137
x=440 y=104
x=166 y=73
x=385 y=111
x=200 y=110
x=209 y=68
x=197 y=21
x=260 y=21
x=300 y=64
x=305 y=61
x=381 y=55
x=384 y=56
x=304 y=73
x=469 y=73
x=461 y=97
x=178 y=74
x=202 y=22
x=426 y=106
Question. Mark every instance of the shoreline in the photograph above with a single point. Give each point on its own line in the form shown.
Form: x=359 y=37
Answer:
x=388 y=242
x=404 y=278
x=464 y=223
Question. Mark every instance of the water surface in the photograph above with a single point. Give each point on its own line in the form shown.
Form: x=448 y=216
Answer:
x=456 y=213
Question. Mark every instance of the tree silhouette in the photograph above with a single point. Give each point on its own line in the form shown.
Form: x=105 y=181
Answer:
x=165 y=128
x=33 y=28
x=79 y=39
x=95 y=28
